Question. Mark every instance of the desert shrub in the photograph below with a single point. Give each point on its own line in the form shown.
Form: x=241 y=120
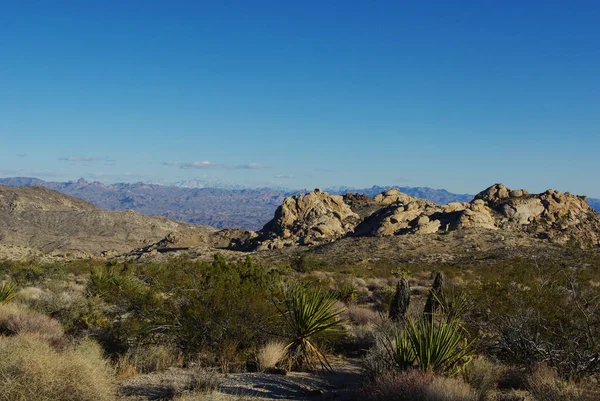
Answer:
x=360 y=338
x=147 y=358
x=305 y=262
x=30 y=369
x=483 y=376
x=308 y=313
x=17 y=319
x=203 y=381
x=544 y=384
x=540 y=313
x=220 y=308
x=29 y=295
x=361 y=315
x=8 y=292
x=271 y=354
x=416 y=385
x=449 y=389
x=383 y=297
x=345 y=291
x=76 y=313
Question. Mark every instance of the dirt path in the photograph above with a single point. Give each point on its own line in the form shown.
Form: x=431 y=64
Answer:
x=341 y=385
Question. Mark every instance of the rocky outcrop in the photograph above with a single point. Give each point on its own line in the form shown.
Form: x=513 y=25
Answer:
x=307 y=220
x=557 y=216
x=318 y=217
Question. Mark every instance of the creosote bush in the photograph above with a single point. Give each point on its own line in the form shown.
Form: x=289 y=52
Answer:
x=221 y=308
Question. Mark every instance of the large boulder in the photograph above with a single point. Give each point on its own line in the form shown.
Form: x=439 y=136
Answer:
x=308 y=219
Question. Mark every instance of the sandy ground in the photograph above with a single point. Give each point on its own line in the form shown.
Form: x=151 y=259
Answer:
x=341 y=385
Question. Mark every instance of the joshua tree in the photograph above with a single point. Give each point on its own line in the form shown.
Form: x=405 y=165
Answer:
x=401 y=301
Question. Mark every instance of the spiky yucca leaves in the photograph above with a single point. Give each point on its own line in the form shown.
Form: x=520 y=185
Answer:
x=400 y=350
x=436 y=342
x=308 y=313
x=8 y=291
x=101 y=279
x=441 y=347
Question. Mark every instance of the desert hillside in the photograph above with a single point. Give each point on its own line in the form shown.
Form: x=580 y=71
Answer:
x=47 y=221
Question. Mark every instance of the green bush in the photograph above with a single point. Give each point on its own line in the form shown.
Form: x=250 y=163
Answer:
x=220 y=307
x=540 y=312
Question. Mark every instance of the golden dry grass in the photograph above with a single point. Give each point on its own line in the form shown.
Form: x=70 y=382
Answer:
x=146 y=359
x=31 y=369
x=544 y=384
x=271 y=354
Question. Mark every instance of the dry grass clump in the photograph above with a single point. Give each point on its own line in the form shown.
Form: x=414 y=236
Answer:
x=31 y=369
x=449 y=389
x=29 y=294
x=483 y=375
x=146 y=359
x=204 y=381
x=16 y=319
x=544 y=384
x=271 y=354
x=362 y=316
x=417 y=385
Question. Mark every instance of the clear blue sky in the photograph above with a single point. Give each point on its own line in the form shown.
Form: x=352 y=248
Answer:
x=448 y=94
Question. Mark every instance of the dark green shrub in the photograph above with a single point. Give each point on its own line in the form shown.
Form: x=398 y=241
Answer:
x=221 y=307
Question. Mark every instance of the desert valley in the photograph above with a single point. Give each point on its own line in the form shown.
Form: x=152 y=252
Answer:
x=184 y=311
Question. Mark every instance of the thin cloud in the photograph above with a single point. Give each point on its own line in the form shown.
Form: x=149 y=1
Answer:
x=251 y=166
x=285 y=176
x=193 y=165
x=80 y=159
x=21 y=154
x=200 y=165
x=324 y=170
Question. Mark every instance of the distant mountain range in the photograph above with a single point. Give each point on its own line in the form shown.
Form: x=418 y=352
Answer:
x=221 y=208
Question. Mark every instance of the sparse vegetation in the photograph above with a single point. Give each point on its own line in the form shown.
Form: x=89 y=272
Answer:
x=150 y=317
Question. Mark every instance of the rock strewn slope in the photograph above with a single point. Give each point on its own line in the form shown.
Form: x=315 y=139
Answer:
x=53 y=223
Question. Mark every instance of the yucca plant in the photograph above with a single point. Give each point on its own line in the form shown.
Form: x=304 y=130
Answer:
x=400 y=351
x=8 y=291
x=441 y=347
x=307 y=314
x=454 y=304
x=346 y=292
x=101 y=279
